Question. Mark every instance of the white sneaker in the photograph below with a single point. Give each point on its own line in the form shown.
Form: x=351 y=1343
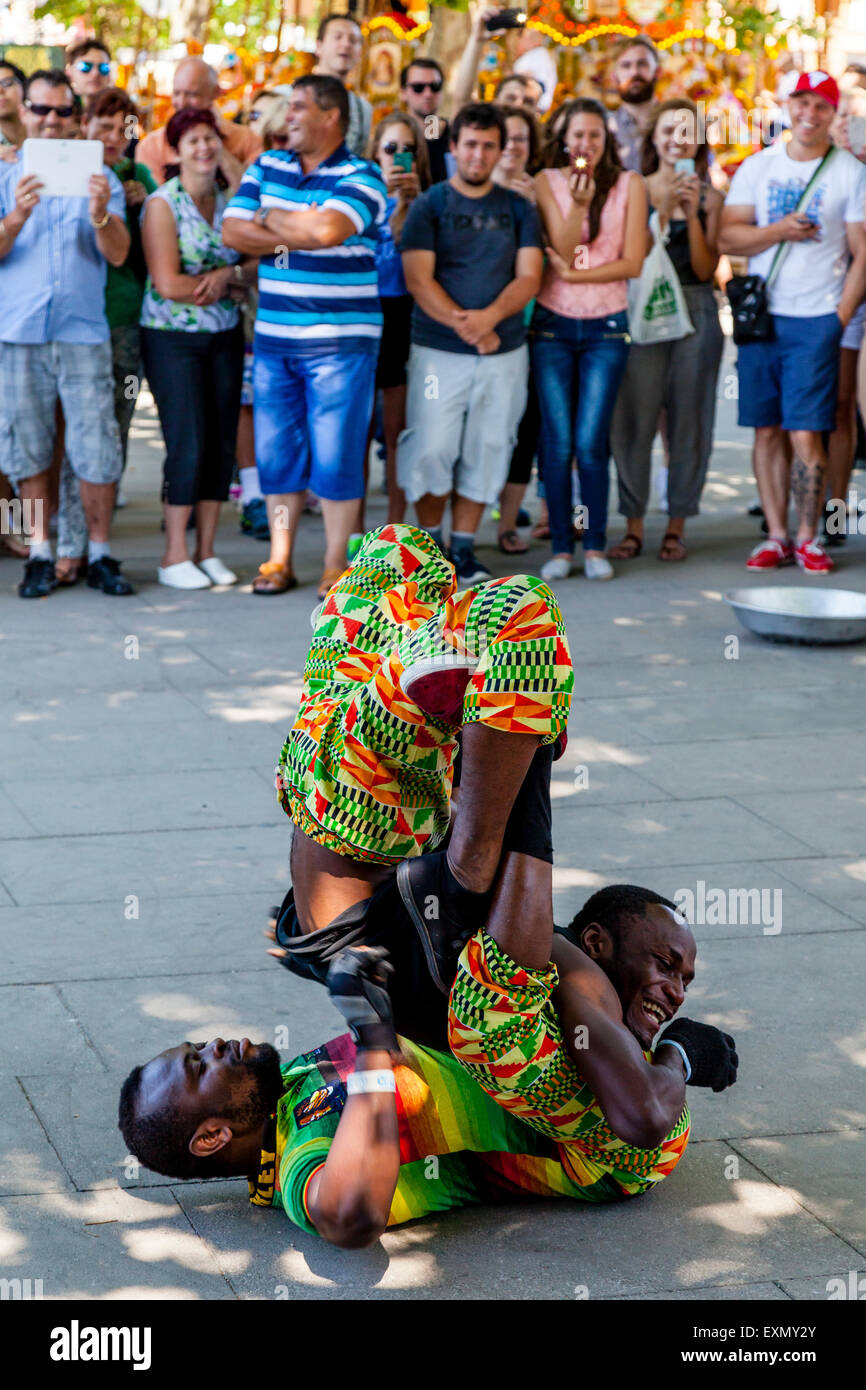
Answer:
x=557 y=568
x=597 y=567
x=217 y=572
x=186 y=575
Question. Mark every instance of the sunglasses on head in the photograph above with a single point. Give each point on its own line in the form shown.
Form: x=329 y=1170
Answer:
x=419 y=87
x=392 y=147
x=84 y=66
x=38 y=110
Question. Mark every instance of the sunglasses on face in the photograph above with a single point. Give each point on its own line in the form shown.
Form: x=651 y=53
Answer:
x=392 y=147
x=64 y=111
x=419 y=87
x=83 y=66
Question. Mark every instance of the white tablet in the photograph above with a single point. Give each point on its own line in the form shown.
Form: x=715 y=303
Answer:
x=63 y=167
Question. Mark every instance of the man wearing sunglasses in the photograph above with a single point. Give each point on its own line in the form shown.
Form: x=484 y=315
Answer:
x=421 y=84
x=54 y=339
x=88 y=67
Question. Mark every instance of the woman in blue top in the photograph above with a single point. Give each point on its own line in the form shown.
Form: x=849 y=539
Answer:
x=398 y=140
x=193 y=346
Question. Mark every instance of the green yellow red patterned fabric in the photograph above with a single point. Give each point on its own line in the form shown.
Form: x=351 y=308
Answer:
x=364 y=771
x=457 y=1146
x=503 y=1029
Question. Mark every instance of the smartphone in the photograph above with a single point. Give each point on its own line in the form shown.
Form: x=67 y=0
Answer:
x=403 y=160
x=685 y=166
x=857 y=134
x=506 y=19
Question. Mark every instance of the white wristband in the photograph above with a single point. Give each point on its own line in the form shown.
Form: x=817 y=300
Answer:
x=669 y=1042
x=363 y=1083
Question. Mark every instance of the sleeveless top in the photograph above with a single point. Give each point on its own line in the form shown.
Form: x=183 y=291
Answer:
x=588 y=301
x=201 y=249
x=678 y=246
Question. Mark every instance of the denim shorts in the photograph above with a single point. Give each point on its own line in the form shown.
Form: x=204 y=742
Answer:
x=33 y=376
x=793 y=379
x=311 y=412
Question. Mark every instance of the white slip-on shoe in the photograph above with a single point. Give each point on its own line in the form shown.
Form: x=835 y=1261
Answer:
x=216 y=571
x=597 y=567
x=185 y=575
x=557 y=568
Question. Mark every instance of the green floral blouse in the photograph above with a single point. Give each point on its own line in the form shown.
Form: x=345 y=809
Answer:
x=201 y=249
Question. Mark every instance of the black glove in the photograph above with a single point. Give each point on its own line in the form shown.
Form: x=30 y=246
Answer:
x=358 y=985
x=712 y=1054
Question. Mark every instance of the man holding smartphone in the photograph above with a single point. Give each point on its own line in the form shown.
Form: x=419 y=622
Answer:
x=789 y=384
x=54 y=339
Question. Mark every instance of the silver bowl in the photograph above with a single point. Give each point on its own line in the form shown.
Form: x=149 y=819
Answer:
x=788 y=614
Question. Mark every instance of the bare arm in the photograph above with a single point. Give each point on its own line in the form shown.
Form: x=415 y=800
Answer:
x=308 y=230
x=704 y=242
x=474 y=325
x=467 y=72
x=855 y=281
x=159 y=239
x=641 y=1102
x=738 y=235
x=565 y=234
x=349 y=1199
x=419 y=268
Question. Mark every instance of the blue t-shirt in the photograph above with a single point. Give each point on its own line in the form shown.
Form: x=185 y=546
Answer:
x=389 y=266
x=476 y=241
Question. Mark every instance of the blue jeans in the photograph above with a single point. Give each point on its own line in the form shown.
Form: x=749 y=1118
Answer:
x=578 y=365
x=311 y=412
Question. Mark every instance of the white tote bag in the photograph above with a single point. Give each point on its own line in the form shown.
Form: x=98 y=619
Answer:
x=657 y=310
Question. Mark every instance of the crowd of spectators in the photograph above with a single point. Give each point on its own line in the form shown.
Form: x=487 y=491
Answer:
x=297 y=284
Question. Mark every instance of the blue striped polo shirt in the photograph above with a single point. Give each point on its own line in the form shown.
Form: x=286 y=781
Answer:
x=326 y=300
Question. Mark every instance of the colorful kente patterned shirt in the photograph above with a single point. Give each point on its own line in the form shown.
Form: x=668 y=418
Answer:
x=457 y=1146
x=364 y=770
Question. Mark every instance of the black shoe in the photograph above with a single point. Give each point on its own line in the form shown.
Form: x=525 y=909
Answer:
x=105 y=574
x=39 y=579
x=469 y=568
x=444 y=914
x=254 y=519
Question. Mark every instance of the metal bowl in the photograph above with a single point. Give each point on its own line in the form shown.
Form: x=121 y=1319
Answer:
x=788 y=614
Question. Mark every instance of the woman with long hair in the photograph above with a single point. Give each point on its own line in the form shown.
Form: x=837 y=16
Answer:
x=397 y=141
x=594 y=213
x=193 y=346
x=678 y=377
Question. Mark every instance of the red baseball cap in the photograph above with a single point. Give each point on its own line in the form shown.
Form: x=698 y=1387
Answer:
x=821 y=84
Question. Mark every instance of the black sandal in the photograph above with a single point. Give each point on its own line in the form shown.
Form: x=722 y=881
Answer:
x=517 y=549
x=669 y=540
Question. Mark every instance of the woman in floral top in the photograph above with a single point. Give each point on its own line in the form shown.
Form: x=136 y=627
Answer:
x=192 y=345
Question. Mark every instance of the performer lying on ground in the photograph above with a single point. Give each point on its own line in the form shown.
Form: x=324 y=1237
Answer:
x=372 y=1130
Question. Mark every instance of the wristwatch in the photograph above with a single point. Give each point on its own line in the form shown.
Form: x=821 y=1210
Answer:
x=262 y=216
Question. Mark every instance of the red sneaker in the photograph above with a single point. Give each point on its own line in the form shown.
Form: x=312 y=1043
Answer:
x=812 y=558
x=770 y=555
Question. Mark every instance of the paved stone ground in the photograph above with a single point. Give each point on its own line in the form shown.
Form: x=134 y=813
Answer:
x=148 y=781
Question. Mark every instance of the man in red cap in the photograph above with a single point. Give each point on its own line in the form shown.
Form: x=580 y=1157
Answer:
x=797 y=211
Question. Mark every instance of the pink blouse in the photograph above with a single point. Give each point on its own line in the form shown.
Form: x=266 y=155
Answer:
x=588 y=301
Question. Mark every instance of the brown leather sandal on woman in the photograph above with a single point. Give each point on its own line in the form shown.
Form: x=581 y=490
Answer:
x=627 y=549
x=273 y=578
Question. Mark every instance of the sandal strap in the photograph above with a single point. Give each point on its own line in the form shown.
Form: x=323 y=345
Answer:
x=272 y=569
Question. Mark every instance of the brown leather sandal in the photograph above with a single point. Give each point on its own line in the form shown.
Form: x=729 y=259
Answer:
x=627 y=549
x=328 y=580
x=511 y=544
x=273 y=578
x=673 y=549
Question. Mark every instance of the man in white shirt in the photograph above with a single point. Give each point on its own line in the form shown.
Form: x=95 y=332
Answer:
x=789 y=383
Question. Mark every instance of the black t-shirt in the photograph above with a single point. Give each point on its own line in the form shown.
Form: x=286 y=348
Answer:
x=475 y=241
x=437 y=150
